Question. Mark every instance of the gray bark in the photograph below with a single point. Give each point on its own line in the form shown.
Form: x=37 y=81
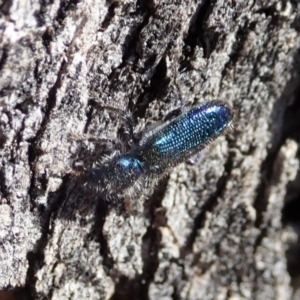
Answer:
x=209 y=231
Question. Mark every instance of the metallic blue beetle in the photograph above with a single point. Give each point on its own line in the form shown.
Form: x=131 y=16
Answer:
x=163 y=148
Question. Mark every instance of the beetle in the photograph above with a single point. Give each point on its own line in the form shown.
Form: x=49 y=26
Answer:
x=161 y=149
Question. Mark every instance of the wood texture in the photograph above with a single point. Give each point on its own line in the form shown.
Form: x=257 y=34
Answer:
x=210 y=231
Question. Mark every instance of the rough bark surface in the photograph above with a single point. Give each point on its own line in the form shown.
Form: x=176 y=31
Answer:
x=209 y=231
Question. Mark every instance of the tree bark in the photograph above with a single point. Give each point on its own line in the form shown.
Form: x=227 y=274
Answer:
x=209 y=231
